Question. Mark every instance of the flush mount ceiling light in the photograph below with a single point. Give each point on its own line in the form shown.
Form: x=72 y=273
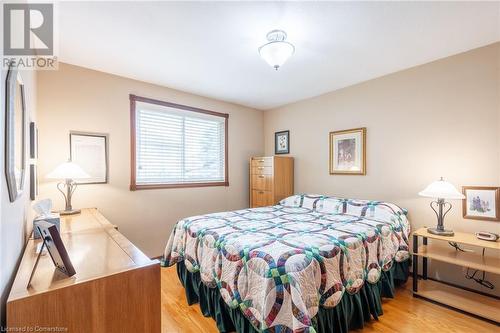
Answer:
x=277 y=50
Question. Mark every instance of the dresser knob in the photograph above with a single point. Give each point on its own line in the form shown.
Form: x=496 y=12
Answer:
x=261 y=176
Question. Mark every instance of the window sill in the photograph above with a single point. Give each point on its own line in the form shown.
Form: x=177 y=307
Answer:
x=136 y=187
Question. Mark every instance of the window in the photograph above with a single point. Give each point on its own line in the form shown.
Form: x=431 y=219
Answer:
x=176 y=145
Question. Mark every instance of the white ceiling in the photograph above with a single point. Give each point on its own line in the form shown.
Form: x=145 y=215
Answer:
x=210 y=48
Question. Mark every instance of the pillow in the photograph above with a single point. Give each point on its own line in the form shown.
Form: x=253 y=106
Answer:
x=301 y=200
x=292 y=201
x=333 y=205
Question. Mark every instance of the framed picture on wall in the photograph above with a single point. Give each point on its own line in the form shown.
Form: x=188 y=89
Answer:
x=33 y=140
x=481 y=203
x=348 y=152
x=90 y=152
x=33 y=182
x=282 y=142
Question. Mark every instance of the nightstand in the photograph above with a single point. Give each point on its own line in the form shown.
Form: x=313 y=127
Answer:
x=436 y=247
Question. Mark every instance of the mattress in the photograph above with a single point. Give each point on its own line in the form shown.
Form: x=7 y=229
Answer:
x=279 y=264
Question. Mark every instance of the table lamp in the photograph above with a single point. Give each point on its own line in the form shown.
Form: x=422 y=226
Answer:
x=441 y=190
x=68 y=171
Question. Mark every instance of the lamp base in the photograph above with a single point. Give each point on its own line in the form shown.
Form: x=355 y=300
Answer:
x=70 y=212
x=444 y=232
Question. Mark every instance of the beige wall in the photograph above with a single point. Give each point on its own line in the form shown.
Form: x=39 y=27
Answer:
x=15 y=217
x=75 y=98
x=438 y=119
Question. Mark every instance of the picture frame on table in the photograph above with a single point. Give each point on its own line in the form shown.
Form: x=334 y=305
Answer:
x=348 y=152
x=481 y=203
x=282 y=142
x=90 y=152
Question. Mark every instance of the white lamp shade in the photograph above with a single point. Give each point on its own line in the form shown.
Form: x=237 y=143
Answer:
x=441 y=189
x=68 y=170
x=276 y=53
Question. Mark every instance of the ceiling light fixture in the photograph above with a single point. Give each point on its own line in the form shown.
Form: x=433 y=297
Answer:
x=277 y=51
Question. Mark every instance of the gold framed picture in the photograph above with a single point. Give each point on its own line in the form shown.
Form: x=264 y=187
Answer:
x=348 y=152
x=481 y=203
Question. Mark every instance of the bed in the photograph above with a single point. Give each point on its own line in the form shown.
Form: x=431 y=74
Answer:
x=309 y=264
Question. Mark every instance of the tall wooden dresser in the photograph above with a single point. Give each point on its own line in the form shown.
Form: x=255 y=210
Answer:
x=271 y=179
x=116 y=287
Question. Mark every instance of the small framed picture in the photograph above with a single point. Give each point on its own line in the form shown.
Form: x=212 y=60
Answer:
x=90 y=152
x=55 y=246
x=481 y=203
x=282 y=142
x=33 y=182
x=347 y=152
x=33 y=140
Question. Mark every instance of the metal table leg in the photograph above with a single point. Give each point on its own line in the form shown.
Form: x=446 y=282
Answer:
x=424 y=261
x=415 y=263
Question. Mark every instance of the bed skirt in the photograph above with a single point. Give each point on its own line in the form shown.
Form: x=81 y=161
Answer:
x=351 y=313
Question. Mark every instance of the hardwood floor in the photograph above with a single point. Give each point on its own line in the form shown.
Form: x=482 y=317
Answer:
x=403 y=314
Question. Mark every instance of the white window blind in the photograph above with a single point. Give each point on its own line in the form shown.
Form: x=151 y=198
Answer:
x=174 y=146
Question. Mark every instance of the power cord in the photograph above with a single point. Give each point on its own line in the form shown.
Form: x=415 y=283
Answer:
x=482 y=281
x=458 y=248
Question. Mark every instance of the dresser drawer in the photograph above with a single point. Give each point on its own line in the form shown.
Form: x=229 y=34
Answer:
x=261 y=198
x=262 y=161
x=261 y=182
x=262 y=170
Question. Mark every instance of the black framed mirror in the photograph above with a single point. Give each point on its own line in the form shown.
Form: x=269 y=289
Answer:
x=15 y=133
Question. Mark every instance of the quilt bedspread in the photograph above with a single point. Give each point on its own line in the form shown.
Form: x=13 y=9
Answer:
x=278 y=264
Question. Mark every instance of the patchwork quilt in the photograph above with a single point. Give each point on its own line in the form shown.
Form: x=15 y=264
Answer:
x=279 y=264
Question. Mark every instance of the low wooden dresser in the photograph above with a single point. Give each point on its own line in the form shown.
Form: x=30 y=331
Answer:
x=116 y=287
x=271 y=179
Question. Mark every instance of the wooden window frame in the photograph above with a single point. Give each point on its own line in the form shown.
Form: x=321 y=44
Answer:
x=133 y=182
